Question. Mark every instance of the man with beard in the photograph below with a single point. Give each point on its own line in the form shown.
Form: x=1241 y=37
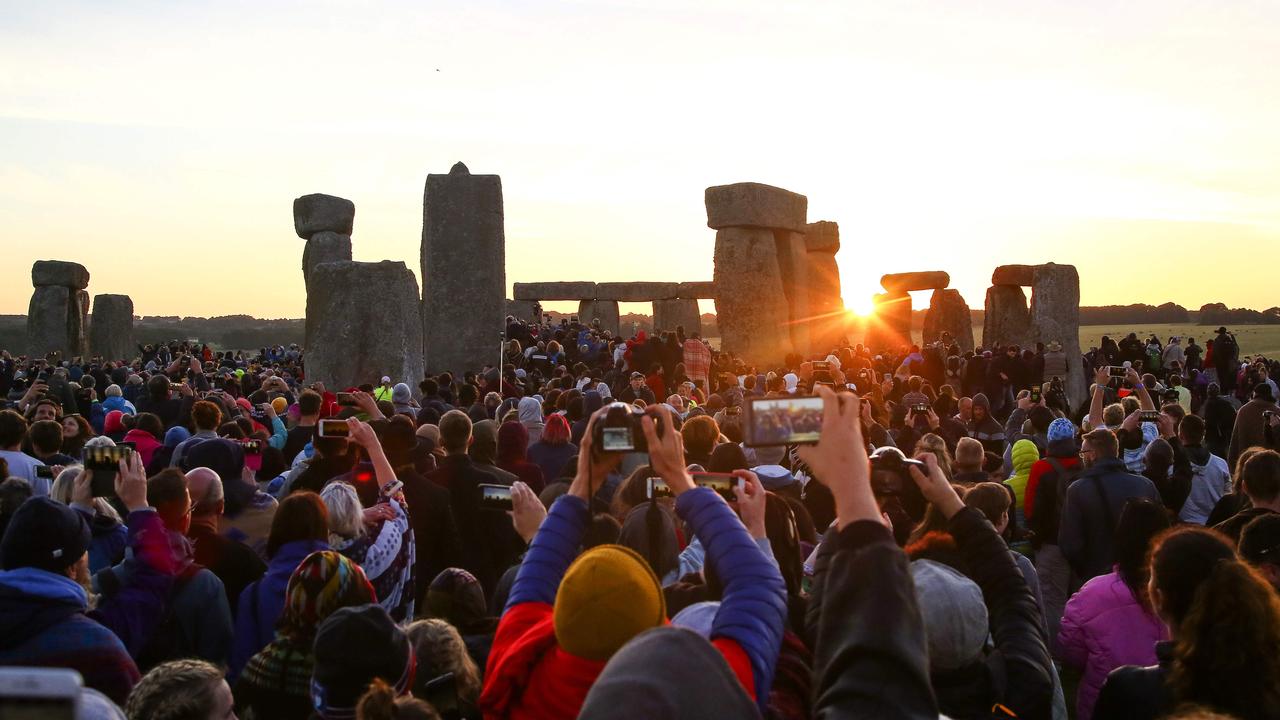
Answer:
x=984 y=428
x=1093 y=505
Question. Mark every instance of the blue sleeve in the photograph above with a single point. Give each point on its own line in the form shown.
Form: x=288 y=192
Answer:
x=753 y=607
x=278 y=434
x=553 y=548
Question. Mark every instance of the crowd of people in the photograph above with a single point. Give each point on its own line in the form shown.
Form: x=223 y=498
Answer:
x=205 y=534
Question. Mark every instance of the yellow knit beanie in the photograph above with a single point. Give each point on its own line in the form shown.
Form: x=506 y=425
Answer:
x=608 y=596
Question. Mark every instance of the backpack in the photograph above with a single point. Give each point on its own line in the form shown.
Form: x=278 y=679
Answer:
x=166 y=640
x=1064 y=477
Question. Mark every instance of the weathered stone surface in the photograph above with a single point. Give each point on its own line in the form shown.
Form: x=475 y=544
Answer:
x=755 y=205
x=911 y=281
x=829 y=322
x=325 y=247
x=606 y=311
x=1055 y=315
x=111 y=327
x=949 y=313
x=703 y=290
x=367 y=325
x=464 y=281
x=672 y=314
x=47 y=320
x=78 y=325
x=1022 y=275
x=554 y=291
x=751 y=306
x=45 y=273
x=526 y=310
x=793 y=261
x=1007 y=319
x=320 y=213
x=637 y=291
x=822 y=236
x=890 y=328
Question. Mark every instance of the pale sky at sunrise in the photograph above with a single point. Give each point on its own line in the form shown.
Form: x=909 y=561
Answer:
x=162 y=143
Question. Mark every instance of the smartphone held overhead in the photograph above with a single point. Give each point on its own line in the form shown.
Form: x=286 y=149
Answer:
x=783 y=421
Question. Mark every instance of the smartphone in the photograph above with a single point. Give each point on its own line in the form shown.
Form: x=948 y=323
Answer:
x=888 y=377
x=722 y=483
x=334 y=428
x=106 y=459
x=1149 y=416
x=252 y=447
x=347 y=399
x=44 y=471
x=820 y=366
x=783 y=421
x=27 y=693
x=1035 y=393
x=658 y=489
x=495 y=497
x=1117 y=371
x=920 y=408
x=175 y=387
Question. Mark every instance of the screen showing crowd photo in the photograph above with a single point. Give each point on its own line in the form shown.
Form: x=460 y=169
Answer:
x=786 y=421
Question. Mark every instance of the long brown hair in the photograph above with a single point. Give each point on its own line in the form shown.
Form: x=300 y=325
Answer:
x=1226 y=623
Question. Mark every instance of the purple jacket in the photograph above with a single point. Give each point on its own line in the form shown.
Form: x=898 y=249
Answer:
x=1104 y=627
x=261 y=602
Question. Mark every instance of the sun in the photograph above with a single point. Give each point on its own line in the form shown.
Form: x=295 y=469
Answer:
x=861 y=307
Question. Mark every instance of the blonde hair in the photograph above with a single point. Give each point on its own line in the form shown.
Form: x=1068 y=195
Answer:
x=440 y=650
x=969 y=454
x=346 y=514
x=64 y=484
x=932 y=443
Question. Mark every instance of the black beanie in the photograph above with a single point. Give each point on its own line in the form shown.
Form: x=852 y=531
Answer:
x=44 y=534
x=353 y=646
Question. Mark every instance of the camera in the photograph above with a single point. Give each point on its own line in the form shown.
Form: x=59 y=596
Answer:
x=495 y=497
x=618 y=430
x=891 y=478
x=783 y=421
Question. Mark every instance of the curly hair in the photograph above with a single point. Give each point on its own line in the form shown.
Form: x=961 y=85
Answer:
x=1227 y=624
x=175 y=690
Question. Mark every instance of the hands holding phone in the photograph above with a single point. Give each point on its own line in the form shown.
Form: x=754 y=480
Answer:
x=839 y=460
x=593 y=464
x=527 y=512
x=751 y=502
x=666 y=453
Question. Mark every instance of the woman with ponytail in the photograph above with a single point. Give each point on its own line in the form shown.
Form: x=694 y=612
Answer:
x=1224 y=620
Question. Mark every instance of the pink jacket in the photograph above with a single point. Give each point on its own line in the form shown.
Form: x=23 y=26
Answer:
x=1104 y=627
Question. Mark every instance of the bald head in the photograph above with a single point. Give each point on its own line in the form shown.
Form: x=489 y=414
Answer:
x=206 y=491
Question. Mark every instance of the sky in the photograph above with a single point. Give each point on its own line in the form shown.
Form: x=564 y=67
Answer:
x=161 y=144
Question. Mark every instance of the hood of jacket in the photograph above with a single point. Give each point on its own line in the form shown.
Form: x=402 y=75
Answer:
x=513 y=440
x=1025 y=454
x=32 y=600
x=530 y=412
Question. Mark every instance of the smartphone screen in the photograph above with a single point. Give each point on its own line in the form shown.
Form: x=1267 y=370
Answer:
x=722 y=483
x=1117 y=371
x=1149 y=416
x=495 y=497
x=658 y=488
x=44 y=471
x=346 y=399
x=333 y=428
x=1035 y=393
x=783 y=421
x=106 y=459
x=252 y=447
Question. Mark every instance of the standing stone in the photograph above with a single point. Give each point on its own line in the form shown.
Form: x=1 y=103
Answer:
x=606 y=311
x=47 y=320
x=826 y=305
x=949 y=313
x=751 y=305
x=111 y=327
x=322 y=247
x=78 y=325
x=793 y=261
x=366 y=325
x=670 y=314
x=889 y=329
x=323 y=213
x=464 y=281
x=1007 y=319
x=1055 y=315
x=45 y=273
